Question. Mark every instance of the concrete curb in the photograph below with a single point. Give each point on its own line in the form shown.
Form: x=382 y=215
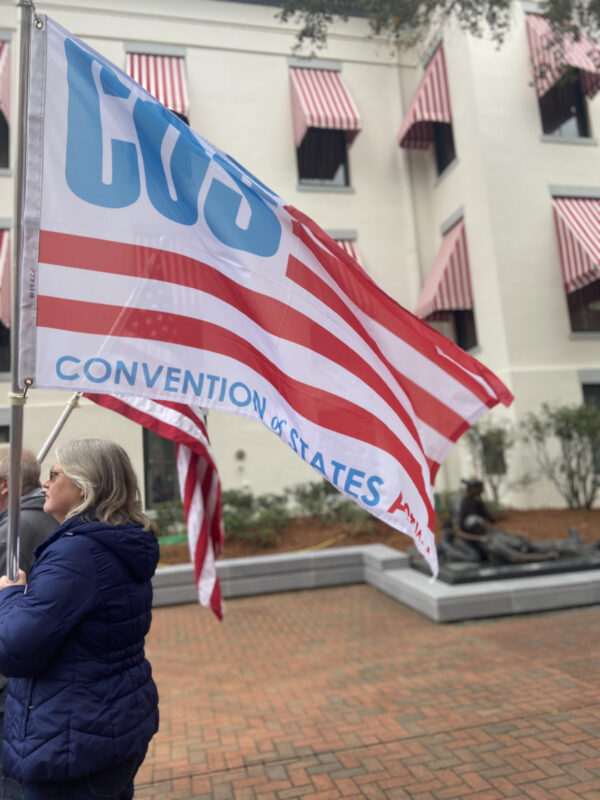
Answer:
x=388 y=571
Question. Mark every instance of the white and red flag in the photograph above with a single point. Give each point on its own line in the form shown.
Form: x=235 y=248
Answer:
x=198 y=481
x=156 y=266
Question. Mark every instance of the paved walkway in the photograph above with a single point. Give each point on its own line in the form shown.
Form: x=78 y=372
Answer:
x=345 y=693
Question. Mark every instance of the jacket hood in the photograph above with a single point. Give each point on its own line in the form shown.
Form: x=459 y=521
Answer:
x=34 y=500
x=130 y=543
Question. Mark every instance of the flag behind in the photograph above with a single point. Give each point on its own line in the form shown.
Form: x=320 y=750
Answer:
x=198 y=481
x=157 y=266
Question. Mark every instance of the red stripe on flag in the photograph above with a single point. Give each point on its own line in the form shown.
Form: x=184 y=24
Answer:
x=320 y=407
x=277 y=318
x=372 y=301
x=210 y=532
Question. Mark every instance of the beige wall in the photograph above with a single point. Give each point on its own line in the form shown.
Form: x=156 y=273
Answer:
x=236 y=57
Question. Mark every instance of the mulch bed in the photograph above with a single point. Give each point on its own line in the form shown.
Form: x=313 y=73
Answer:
x=306 y=534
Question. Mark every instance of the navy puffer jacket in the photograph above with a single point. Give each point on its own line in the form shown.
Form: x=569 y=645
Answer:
x=81 y=696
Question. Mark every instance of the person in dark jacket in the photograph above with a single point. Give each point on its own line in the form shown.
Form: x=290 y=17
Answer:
x=82 y=705
x=35 y=526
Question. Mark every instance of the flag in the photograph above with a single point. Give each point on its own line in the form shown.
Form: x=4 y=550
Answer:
x=157 y=266
x=198 y=481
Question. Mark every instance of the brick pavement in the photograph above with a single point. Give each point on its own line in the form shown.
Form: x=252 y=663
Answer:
x=345 y=693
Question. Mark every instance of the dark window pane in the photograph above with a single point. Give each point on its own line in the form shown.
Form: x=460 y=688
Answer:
x=4 y=151
x=584 y=308
x=160 y=469
x=4 y=349
x=464 y=326
x=323 y=157
x=563 y=108
x=591 y=393
x=443 y=142
x=4 y=434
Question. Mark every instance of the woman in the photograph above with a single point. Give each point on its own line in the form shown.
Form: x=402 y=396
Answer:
x=82 y=705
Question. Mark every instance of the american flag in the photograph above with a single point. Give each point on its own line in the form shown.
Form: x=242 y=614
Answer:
x=198 y=481
x=199 y=285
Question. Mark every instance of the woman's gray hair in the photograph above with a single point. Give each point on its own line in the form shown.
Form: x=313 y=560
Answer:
x=103 y=471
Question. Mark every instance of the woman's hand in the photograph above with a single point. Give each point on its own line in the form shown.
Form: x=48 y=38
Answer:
x=20 y=581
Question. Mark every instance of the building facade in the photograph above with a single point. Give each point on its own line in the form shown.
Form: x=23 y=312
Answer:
x=462 y=186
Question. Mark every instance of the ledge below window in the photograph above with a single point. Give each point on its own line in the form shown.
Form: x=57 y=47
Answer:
x=584 y=335
x=324 y=187
x=584 y=140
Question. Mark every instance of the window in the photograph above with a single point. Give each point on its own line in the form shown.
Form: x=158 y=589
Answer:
x=325 y=122
x=563 y=108
x=584 y=308
x=443 y=142
x=4 y=349
x=464 y=328
x=323 y=157
x=591 y=393
x=4 y=142
x=160 y=469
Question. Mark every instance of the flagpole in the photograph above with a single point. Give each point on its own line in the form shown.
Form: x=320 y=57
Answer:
x=72 y=403
x=18 y=393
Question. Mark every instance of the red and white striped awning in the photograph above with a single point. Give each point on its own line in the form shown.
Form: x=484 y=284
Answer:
x=5 y=79
x=5 y=262
x=550 y=58
x=448 y=285
x=430 y=104
x=164 y=77
x=349 y=245
x=321 y=99
x=578 y=229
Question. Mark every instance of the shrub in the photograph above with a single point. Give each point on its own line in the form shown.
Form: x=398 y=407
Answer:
x=258 y=519
x=170 y=519
x=316 y=499
x=566 y=445
x=489 y=443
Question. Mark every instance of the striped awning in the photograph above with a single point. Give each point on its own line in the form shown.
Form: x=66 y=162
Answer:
x=448 y=285
x=349 y=245
x=430 y=104
x=550 y=58
x=578 y=229
x=164 y=77
x=320 y=99
x=5 y=79
x=5 y=262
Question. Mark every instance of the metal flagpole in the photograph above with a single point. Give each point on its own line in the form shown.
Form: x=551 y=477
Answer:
x=18 y=393
x=72 y=403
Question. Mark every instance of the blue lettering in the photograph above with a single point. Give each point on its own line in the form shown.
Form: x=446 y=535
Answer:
x=188 y=379
x=87 y=370
x=304 y=447
x=223 y=388
x=172 y=378
x=318 y=463
x=240 y=402
x=62 y=375
x=260 y=406
x=120 y=369
x=375 y=497
x=263 y=234
x=84 y=137
x=150 y=381
x=188 y=162
x=352 y=482
x=293 y=437
x=337 y=468
x=212 y=379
